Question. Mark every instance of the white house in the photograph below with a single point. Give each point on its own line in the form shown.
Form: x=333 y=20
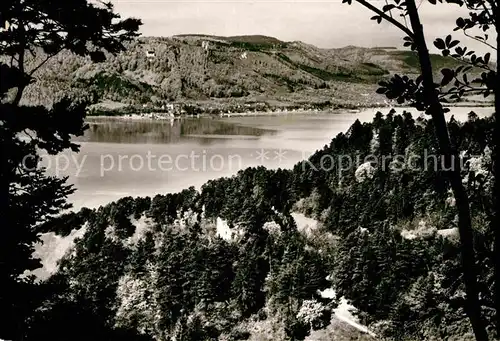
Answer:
x=150 y=54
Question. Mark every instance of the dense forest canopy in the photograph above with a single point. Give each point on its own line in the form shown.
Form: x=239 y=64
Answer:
x=386 y=241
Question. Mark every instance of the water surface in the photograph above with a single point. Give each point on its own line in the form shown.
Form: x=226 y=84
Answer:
x=143 y=158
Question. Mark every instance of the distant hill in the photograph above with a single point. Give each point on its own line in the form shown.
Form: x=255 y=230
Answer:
x=252 y=39
x=195 y=67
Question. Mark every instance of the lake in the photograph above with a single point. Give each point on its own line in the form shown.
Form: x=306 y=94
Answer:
x=121 y=157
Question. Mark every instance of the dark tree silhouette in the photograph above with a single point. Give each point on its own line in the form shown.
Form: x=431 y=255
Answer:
x=38 y=30
x=428 y=96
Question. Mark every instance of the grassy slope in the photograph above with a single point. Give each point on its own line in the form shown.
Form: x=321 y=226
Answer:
x=410 y=59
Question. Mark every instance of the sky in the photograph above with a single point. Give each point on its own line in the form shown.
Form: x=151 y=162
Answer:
x=324 y=23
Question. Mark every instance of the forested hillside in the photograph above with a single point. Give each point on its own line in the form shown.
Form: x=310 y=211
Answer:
x=199 y=68
x=386 y=241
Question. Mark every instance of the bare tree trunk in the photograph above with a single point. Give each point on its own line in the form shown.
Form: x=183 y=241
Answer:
x=20 y=63
x=450 y=155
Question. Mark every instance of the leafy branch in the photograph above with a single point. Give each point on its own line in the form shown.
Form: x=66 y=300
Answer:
x=382 y=14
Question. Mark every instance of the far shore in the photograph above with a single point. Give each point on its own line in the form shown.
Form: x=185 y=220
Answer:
x=160 y=117
x=223 y=115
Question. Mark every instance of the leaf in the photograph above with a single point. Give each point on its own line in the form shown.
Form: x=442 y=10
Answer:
x=448 y=75
x=453 y=44
x=390 y=95
x=466 y=81
x=347 y=2
x=439 y=43
x=388 y=7
x=460 y=22
x=378 y=18
x=446 y=52
x=448 y=40
x=487 y=58
x=381 y=90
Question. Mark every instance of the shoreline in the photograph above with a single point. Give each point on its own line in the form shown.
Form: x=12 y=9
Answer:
x=332 y=111
x=150 y=117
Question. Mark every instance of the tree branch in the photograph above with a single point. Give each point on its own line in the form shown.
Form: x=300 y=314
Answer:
x=467 y=61
x=44 y=61
x=435 y=109
x=404 y=18
x=490 y=15
x=387 y=3
x=386 y=17
x=482 y=3
x=494 y=7
x=463 y=90
x=457 y=92
x=479 y=40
